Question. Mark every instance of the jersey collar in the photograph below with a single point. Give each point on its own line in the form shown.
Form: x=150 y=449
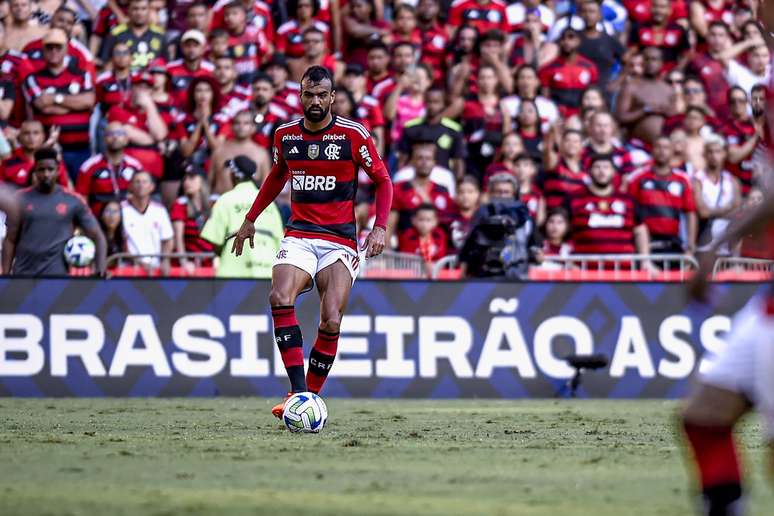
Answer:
x=307 y=131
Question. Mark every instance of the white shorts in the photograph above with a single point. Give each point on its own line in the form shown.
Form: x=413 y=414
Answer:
x=314 y=254
x=746 y=364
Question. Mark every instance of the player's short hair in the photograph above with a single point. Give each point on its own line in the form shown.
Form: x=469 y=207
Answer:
x=425 y=206
x=66 y=9
x=492 y=35
x=236 y=4
x=470 y=180
x=595 y=158
x=218 y=33
x=45 y=153
x=262 y=77
x=718 y=23
x=379 y=45
x=317 y=74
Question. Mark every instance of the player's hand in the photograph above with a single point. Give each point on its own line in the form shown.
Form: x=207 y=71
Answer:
x=246 y=232
x=374 y=242
x=698 y=287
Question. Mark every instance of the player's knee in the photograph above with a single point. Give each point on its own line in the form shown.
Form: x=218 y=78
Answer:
x=280 y=298
x=330 y=324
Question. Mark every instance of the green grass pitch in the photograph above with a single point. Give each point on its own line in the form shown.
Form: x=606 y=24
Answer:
x=230 y=457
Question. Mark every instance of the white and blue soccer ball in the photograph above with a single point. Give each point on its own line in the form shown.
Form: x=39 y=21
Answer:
x=305 y=412
x=79 y=251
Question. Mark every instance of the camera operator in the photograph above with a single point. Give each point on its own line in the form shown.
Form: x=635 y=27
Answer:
x=502 y=241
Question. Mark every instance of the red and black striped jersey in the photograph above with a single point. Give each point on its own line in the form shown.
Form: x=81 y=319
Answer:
x=112 y=91
x=369 y=109
x=16 y=65
x=259 y=16
x=289 y=98
x=434 y=43
x=381 y=89
x=662 y=200
x=70 y=81
x=289 y=37
x=107 y=20
x=603 y=225
x=77 y=55
x=181 y=76
x=99 y=182
x=672 y=40
x=738 y=132
x=193 y=223
x=624 y=160
x=532 y=199
x=247 y=49
x=482 y=16
x=322 y=167
x=562 y=182
x=17 y=170
x=567 y=80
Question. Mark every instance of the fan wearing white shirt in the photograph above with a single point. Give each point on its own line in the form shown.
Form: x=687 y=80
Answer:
x=438 y=174
x=146 y=223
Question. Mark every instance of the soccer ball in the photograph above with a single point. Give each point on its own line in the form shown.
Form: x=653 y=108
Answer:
x=305 y=412
x=79 y=251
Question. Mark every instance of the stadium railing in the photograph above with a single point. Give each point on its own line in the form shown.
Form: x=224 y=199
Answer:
x=595 y=267
x=393 y=265
x=143 y=265
x=742 y=269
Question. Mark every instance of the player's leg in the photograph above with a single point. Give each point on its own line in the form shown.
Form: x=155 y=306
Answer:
x=334 y=283
x=287 y=282
x=721 y=398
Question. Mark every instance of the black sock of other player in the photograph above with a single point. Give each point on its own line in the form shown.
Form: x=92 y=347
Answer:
x=287 y=334
x=321 y=359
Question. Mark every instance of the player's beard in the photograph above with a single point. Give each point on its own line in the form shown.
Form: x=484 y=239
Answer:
x=599 y=184
x=316 y=114
x=45 y=186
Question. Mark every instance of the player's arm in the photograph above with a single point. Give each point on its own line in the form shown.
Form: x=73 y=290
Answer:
x=269 y=191
x=368 y=158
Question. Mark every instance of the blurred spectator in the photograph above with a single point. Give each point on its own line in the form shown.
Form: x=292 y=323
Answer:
x=114 y=85
x=484 y=15
x=666 y=202
x=144 y=39
x=645 y=103
x=405 y=25
x=144 y=125
x=435 y=127
x=77 y=54
x=557 y=232
x=599 y=47
x=743 y=134
x=565 y=78
x=257 y=13
x=604 y=221
x=411 y=100
x=564 y=175
x=201 y=133
x=240 y=143
x=483 y=122
x=528 y=128
x=435 y=39
x=303 y=16
x=602 y=140
x=717 y=193
x=505 y=161
x=315 y=52
x=146 y=224
x=661 y=32
x=695 y=123
x=403 y=66
x=189 y=213
x=527 y=86
x=105 y=177
x=380 y=82
x=287 y=93
x=227 y=216
x=502 y=241
x=424 y=237
x=21 y=27
x=466 y=204
x=107 y=18
x=245 y=42
x=62 y=97
x=530 y=45
x=17 y=169
x=362 y=26
x=422 y=152
x=35 y=241
x=268 y=115
x=407 y=195
x=526 y=174
x=112 y=227
x=191 y=65
x=366 y=107
x=710 y=67
x=753 y=246
x=234 y=97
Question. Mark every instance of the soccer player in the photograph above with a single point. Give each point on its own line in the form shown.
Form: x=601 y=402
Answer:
x=320 y=153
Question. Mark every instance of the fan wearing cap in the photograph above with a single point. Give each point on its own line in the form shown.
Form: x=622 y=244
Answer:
x=228 y=214
x=77 y=54
x=192 y=64
x=146 y=41
x=243 y=129
x=143 y=124
x=63 y=97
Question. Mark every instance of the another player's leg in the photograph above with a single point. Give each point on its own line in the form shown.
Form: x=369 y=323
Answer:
x=708 y=420
x=334 y=283
x=287 y=281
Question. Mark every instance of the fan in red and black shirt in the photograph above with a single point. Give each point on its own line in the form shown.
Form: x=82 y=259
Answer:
x=17 y=66
x=17 y=169
x=246 y=43
x=743 y=137
x=709 y=67
x=568 y=177
x=566 y=78
x=665 y=198
x=258 y=15
x=77 y=54
x=404 y=26
x=604 y=221
x=268 y=115
x=106 y=21
x=435 y=39
x=189 y=213
x=105 y=177
x=233 y=97
x=290 y=35
x=192 y=65
x=484 y=15
x=287 y=93
x=424 y=237
x=62 y=96
x=660 y=32
x=380 y=82
x=601 y=131
x=114 y=87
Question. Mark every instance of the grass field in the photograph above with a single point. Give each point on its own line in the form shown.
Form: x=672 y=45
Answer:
x=229 y=456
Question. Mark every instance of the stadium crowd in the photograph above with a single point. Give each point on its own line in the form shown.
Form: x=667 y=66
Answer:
x=581 y=127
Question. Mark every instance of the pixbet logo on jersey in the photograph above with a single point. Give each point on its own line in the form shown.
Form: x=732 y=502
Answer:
x=310 y=183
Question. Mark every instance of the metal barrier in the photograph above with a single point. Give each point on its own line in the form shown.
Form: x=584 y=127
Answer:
x=742 y=269
x=393 y=265
x=596 y=267
x=165 y=265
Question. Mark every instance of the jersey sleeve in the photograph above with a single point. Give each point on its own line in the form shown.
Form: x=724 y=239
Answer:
x=83 y=216
x=274 y=182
